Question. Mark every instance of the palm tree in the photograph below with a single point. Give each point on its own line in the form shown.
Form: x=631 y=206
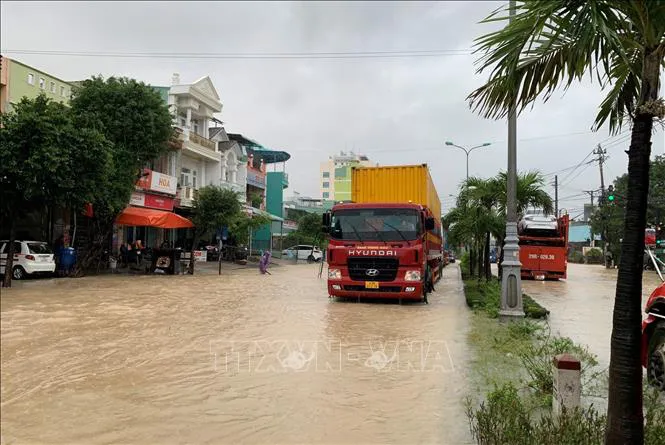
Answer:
x=530 y=194
x=622 y=44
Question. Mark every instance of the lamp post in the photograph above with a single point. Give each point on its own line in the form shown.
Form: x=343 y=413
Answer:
x=511 y=280
x=467 y=151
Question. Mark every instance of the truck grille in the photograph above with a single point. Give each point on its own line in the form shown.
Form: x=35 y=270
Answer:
x=357 y=288
x=386 y=267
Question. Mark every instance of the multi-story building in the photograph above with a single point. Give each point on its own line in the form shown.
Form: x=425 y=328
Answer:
x=198 y=162
x=234 y=163
x=18 y=80
x=335 y=175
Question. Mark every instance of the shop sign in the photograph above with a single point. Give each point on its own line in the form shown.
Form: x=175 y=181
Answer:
x=159 y=202
x=157 y=182
x=201 y=255
x=137 y=199
x=141 y=199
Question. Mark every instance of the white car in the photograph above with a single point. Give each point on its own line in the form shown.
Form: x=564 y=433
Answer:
x=303 y=252
x=30 y=258
x=538 y=224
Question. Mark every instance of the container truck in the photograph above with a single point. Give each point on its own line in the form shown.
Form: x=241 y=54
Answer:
x=544 y=249
x=386 y=243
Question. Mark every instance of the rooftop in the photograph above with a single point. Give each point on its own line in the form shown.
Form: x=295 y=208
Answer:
x=269 y=155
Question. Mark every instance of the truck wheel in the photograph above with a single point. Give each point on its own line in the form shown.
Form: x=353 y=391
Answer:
x=656 y=358
x=427 y=284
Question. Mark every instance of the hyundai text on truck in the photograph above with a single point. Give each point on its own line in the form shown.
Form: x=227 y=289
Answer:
x=387 y=242
x=543 y=244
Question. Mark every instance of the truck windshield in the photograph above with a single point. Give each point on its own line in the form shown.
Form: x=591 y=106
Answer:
x=376 y=224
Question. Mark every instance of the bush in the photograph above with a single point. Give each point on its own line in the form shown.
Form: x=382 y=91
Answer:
x=505 y=419
x=486 y=296
x=594 y=256
x=576 y=257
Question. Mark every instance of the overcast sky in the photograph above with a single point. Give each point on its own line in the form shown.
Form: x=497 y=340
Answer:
x=395 y=110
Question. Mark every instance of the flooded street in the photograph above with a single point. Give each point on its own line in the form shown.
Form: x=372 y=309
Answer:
x=241 y=358
x=581 y=306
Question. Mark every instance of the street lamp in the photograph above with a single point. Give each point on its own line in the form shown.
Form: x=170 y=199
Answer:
x=468 y=152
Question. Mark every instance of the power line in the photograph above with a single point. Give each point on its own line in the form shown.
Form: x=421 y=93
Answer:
x=250 y=55
x=582 y=162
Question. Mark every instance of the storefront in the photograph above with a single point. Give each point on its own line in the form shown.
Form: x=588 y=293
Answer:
x=154 y=192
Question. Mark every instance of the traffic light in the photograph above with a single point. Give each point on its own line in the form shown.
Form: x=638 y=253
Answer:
x=610 y=194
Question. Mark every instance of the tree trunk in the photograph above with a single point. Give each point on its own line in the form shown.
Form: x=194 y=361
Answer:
x=9 y=263
x=195 y=241
x=471 y=261
x=625 y=419
x=481 y=250
x=488 y=264
x=96 y=248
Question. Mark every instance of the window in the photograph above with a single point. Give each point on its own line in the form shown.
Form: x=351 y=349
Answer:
x=185 y=177
x=326 y=185
x=31 y=78
x=62 y=91
x=42 y=83
x=326 y=174
x=326 y=195
x=53 y=90
x=193 y=178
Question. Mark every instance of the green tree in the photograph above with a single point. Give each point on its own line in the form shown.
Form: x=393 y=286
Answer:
x=214 y=207
x=622 y=45
x=310 y=225
x=244 y=225
x=137 y=122
x=47 y=158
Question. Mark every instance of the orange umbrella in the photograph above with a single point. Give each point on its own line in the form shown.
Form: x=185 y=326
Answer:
x=140 y=216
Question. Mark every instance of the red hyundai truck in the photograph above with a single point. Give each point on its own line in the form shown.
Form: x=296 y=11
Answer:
x=544 y=248
x=386 y=243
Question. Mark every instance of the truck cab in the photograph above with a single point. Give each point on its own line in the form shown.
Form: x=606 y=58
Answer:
x=382 y=250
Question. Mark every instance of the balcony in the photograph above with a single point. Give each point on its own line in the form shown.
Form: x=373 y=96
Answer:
x=204 y=142
x=198 y=145
x=185 y=196
x=256 y=178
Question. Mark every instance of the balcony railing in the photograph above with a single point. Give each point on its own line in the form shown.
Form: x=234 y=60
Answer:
x=186 y=196
x=204 y=142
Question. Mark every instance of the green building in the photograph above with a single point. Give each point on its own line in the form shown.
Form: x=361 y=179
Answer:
x=26 y=81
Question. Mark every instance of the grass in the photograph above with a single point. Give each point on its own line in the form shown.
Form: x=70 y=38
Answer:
x=486 y=296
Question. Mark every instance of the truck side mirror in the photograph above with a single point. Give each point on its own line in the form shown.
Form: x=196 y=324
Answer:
x=429 y=224
x=325 y=222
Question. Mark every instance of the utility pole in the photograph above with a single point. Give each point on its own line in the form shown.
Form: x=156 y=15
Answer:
x=511 y=281
x=556 y=195
x=601 y=203
x=591 y=192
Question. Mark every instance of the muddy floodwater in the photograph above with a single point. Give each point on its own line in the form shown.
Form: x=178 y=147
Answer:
x=581 y=306
x=241 y=358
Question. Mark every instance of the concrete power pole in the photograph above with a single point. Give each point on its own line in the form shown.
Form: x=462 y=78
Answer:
x=601 y=202
x=556 y=196
x=511 y=282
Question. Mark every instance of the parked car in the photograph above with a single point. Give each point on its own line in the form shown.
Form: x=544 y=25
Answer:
x=538 y=224
x=30 y=258
x=303 y=252
x=653 y=338
x=493 y=258
x=451 y=257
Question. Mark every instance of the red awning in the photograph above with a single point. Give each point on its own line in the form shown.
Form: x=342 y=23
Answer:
x=139 y=216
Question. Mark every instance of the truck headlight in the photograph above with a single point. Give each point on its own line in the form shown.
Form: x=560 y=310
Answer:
x=334 y=274
x=412 y=275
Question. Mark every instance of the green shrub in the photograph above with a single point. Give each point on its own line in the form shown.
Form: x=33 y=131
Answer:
x=506 y=418
x=594 y=256
x=576 y=257
x=486 y=296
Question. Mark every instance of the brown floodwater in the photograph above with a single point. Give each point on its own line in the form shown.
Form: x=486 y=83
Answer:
x=581 y=307
x=241 y=358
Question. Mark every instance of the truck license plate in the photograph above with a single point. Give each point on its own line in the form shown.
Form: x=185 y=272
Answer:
x=371 y=284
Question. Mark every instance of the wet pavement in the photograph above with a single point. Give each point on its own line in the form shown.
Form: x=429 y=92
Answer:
x=241 y=358
x=581 y=306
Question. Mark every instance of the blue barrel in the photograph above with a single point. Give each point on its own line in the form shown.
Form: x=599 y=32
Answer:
x=67 y=258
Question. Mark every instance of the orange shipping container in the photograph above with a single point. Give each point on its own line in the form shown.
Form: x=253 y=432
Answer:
x=395 y=184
